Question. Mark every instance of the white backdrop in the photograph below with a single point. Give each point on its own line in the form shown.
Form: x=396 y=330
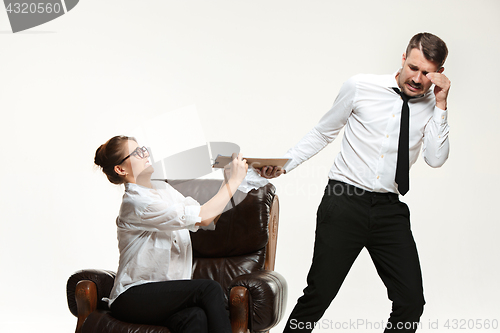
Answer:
x=260 y=74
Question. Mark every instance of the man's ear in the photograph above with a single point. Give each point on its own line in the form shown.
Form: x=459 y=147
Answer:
x=441 y=70
x=404 y=59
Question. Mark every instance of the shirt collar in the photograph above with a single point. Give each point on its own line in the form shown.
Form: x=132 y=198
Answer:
x=137 y=187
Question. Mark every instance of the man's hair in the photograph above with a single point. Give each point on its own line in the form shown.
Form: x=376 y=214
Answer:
x=433 y=47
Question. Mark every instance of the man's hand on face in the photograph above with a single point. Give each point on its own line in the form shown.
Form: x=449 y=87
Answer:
x=442 y=87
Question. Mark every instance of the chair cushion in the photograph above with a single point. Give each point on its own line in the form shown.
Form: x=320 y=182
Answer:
x=224 y=270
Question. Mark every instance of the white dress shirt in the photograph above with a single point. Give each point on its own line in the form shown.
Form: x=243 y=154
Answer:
x=153 y=236
x=370 y=110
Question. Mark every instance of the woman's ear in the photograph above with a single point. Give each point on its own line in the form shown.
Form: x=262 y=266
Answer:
x=120 y=170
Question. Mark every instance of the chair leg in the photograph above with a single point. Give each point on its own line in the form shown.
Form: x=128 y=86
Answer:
x=239 y=309
x=86 y=301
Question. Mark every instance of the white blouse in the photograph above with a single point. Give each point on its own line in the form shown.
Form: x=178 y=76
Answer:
x=153 y=236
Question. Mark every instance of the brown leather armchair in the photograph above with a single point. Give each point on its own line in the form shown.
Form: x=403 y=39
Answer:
x=239 y=254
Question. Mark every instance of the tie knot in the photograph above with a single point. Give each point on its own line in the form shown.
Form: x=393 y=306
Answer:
x=404 y=96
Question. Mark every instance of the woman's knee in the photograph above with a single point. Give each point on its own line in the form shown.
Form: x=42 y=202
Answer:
x=198 y=315
x=211 y=287
x=189 y=320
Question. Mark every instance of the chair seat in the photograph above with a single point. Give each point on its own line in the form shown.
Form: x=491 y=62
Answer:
x=102 y=321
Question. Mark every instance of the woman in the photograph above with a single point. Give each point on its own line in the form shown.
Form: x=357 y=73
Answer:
x=152 y=284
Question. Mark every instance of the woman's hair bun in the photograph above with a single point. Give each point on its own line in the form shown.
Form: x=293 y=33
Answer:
x=98 y=158
x=109 y=154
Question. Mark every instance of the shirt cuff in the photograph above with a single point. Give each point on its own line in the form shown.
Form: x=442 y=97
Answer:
x=440 y=116
x=192 y=216
x=290 y=165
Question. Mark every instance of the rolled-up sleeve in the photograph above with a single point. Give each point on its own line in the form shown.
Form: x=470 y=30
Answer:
x=192 y=216
x=162 y=216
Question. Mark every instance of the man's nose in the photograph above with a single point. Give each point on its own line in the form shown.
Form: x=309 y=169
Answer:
x=418 y=78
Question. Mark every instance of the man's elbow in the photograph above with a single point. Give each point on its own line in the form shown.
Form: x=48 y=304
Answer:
x=435 y=162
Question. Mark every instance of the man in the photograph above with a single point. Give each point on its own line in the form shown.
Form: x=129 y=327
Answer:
x=361 y=206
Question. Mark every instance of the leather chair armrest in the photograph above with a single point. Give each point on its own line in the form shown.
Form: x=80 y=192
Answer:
x=239 y=304
x=267 y=296
x=86 y=301
x=103 y=281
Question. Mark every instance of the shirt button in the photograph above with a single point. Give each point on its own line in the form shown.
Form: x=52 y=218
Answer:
x=378 y=177
x=387 y=135
x=183 y=217
x=382 y=156
x=442 y=117
x=393 y=115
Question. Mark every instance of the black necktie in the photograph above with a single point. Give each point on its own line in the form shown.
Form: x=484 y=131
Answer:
x=403 y=164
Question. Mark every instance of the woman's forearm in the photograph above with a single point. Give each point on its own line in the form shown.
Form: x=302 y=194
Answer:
x=214 y=207
x=235 y=172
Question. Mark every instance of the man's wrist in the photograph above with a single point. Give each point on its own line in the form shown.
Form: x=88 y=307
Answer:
x=441 y=105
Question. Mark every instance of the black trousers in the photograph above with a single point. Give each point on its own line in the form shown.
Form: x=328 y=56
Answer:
x=184 y=306
x=348 y=220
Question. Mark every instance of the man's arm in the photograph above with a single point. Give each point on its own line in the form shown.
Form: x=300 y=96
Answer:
x=436 y=144
x=322 y=134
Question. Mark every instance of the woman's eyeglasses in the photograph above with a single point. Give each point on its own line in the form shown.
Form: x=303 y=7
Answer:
x=140 y=152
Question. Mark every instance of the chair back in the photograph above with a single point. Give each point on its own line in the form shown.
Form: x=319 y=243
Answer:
x=244 y=239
